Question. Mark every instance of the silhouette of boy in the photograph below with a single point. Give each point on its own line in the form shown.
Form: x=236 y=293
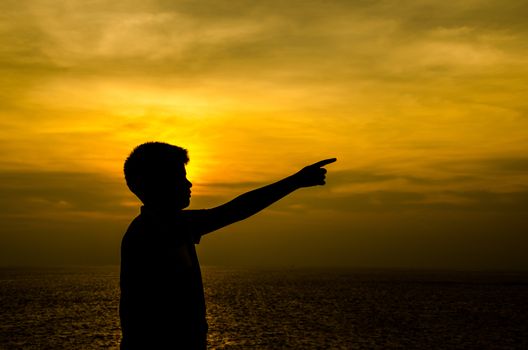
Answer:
x=162 y=302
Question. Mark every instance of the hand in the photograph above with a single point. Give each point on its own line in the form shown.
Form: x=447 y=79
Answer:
x=313 y=175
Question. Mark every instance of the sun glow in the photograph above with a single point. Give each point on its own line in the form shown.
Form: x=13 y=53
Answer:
x=424 y=105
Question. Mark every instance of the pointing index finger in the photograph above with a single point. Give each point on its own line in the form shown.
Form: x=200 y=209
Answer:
x=324 y=162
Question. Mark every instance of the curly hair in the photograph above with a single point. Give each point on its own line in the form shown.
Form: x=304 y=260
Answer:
x=148 y=160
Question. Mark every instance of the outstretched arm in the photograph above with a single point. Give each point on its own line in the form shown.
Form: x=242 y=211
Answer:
x=254 y=201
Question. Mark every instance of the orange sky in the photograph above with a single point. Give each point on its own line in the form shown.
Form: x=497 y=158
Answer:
x=422 y=102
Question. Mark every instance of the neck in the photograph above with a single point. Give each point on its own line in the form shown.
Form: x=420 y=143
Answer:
x=162 y=208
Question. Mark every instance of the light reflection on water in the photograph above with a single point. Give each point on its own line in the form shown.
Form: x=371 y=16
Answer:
x=76 y=308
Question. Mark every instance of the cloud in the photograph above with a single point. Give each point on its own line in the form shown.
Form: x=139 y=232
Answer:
x=49 y=195
x=51 y=217
x=420 y=202
x=344 y=54
x=210 y=38
x=505 y=165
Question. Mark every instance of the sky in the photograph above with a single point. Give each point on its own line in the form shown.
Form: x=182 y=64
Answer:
x=424 y=104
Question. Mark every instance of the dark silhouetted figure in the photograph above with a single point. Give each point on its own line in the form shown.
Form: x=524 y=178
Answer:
x=162 y=299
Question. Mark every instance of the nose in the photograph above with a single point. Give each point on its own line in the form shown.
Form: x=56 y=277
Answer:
x=189 y=183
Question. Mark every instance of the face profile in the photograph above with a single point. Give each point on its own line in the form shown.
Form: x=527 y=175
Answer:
x=169 y=188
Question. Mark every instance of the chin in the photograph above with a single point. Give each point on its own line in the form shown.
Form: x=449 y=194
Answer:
x=185 y=203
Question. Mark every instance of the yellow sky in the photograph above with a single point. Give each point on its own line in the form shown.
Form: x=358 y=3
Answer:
x=423 y=103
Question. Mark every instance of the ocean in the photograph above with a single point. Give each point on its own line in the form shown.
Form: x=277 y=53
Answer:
x=288 y=308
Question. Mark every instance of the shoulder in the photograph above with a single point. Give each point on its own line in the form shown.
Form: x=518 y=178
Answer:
x=194 y=221
x=190 y=215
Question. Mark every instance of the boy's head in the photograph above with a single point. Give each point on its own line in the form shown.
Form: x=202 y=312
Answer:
x=155 y=173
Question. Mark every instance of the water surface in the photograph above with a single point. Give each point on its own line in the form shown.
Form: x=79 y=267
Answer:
x=77 y=308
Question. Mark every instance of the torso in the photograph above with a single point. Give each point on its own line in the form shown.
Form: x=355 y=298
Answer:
x=161 y=284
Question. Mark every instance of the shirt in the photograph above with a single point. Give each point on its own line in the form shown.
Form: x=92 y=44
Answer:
x=162 y=298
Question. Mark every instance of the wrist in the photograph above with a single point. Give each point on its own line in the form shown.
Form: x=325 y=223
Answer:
x=294 y=181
